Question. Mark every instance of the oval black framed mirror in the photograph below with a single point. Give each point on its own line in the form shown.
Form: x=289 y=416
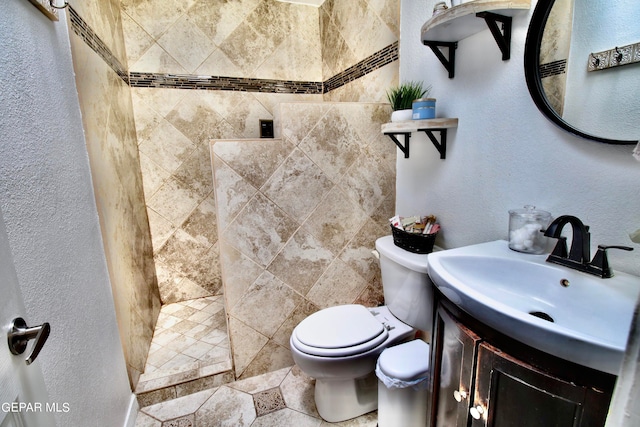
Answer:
x=573 y=97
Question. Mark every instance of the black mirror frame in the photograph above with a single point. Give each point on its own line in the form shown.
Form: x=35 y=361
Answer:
x=534 y=81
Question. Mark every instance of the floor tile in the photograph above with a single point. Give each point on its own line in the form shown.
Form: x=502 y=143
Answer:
x=187 y=344
x=178 y=407
x=268 y=401
x=282 y=398
x=198 y=349
x=286 y=417
x=188 y=353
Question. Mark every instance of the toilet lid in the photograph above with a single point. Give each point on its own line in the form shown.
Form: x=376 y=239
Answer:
x=339 y=331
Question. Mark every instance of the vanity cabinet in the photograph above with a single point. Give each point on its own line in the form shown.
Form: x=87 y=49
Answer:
x=456 y=345
x=481 y=379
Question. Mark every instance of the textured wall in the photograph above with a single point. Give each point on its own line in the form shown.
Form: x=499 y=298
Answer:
x=50 y=214
x=507 y=154
x=298 y=218
x=107 y=115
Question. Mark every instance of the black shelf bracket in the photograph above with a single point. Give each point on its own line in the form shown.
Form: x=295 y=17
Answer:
x=448 y=62
x=441 y=145
x=502 y=37
x=404 y=148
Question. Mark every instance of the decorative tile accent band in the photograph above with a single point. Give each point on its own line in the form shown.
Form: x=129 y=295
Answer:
x=187 y=81
x=372 y=63
x=84 y=31
x=553 y=68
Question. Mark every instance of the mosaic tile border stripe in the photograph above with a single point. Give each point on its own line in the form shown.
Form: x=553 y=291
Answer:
x=186 y=81
x=553 y=68
x=84 y=31
x=378 y=60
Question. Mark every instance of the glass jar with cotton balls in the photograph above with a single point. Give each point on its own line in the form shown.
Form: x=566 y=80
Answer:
x=526 y=228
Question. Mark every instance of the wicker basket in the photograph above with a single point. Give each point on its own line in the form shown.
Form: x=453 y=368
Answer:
x=413 y=242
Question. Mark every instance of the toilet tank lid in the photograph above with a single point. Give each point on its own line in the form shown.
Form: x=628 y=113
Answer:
x=410 y=260
x=406 y=362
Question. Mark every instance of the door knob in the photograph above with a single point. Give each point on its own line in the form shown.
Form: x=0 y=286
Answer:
x=19 y=335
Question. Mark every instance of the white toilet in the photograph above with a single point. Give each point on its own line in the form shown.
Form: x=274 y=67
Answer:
x=339 y=346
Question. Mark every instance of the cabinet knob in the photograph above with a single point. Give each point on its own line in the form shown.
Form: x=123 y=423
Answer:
x=477 y=411
x=459 y=395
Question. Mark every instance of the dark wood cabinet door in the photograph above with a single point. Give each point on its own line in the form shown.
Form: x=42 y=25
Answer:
x=495 y=381
x=454 y=365
x=509 y=392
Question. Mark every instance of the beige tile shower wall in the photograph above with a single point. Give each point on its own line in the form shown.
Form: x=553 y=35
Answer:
x=107 y=114
x=243 y=38
x=105 y=19
x=174 y=127
x=370 y=88
x=352 y=30
x=298 y=218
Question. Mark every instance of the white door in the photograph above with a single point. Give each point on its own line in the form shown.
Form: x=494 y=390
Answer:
x=23 y=396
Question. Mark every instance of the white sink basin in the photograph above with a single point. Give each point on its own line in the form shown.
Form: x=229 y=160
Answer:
x=569 y=314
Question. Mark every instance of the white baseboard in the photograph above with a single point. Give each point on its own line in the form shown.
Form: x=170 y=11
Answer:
x=132 y=413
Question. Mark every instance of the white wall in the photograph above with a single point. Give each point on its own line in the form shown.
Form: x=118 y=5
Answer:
x=505 y=153
x=49 y=209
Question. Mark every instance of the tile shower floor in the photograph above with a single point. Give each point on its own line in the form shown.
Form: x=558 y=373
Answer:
x=189 y=351
x=277 y=399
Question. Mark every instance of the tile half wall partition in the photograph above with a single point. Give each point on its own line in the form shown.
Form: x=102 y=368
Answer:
x=298 y=218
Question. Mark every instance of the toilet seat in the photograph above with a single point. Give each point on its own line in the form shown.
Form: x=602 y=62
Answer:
x=339 y=331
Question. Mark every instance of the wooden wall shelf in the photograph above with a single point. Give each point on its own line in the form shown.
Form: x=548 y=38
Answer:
x=444 y=30
x=428 y=126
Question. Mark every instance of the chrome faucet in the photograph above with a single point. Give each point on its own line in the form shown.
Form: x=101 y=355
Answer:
x=578 y=257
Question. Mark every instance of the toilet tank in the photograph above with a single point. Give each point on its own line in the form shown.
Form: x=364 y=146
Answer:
x=408 y=291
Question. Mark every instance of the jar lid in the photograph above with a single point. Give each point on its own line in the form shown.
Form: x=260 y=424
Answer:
x=530 y=211
x=424 y=99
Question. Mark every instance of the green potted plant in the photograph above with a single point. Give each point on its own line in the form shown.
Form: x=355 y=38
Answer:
x=401 y=99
